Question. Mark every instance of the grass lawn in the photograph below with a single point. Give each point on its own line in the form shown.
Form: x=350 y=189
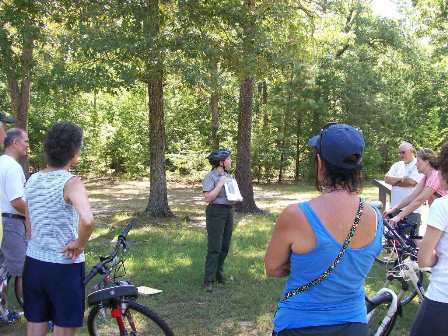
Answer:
x=169 y=255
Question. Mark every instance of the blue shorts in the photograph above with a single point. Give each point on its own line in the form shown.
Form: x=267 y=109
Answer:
x=54 y=292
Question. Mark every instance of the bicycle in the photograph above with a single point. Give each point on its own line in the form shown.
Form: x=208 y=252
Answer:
x=391 y=244
x=400 y=258
x=382 y=312
x=114 y=308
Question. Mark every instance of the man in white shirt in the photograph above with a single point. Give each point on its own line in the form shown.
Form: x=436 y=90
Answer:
x=13 y=205
x=404 y=176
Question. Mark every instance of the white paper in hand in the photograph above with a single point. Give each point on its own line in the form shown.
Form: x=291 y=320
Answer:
x=232 y=191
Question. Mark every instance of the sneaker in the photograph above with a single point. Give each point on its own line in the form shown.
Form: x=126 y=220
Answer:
x=208 y=286
x=11 y=317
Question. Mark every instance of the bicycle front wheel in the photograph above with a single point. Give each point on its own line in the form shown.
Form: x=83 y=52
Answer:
x=137 y=320
x=388 y=254
x=380 y=323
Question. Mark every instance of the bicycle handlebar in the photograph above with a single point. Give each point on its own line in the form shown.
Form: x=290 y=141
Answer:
x=120 y=245
x=124 y=233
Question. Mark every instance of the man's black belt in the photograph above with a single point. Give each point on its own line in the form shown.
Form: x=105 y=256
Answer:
x=11 y=215
x=221 y=205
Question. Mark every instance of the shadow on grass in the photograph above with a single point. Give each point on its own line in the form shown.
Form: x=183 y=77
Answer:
x=171 y=258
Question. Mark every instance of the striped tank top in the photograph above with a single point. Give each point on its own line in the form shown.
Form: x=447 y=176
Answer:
x=54 y=223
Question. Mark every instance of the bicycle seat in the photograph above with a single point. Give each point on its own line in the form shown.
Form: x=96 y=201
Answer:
x=112 y=293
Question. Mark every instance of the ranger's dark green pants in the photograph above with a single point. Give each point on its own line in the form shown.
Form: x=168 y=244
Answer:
x=219 y=221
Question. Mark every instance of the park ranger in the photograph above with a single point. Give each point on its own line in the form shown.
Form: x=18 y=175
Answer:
x=219 y=216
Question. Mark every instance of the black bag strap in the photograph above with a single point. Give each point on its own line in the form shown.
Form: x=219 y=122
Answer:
x=336 y=261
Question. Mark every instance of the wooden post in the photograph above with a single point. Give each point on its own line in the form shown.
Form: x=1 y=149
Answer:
x=384 y=189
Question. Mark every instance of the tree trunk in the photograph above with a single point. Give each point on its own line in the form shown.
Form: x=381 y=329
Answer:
x=214 y=104
x=298 y=136
x=214 y=110
x=282 y=143
x=244 y=158
x=158 y=198
x=20 y=94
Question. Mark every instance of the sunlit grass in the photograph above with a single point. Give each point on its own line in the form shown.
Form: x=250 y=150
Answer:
x=169 y=255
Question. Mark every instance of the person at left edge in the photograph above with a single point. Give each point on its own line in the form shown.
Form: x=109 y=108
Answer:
x=16 y=230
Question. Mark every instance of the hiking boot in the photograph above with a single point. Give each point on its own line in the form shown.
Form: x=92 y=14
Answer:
x=221 y=279
x=208 y=286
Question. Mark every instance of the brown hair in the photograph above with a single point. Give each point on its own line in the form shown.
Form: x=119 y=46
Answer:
x=429 y=156
x=443 y=161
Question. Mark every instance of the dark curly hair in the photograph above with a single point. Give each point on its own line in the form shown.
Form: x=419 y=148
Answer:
x=62 y=143
x=443 y=161
x=339 y=178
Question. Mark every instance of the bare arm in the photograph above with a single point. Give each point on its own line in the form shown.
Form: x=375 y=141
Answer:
x=27 y=223
x=407 y=182
x=210 y=196
x=277 y=260
x=20 y=205
x=392 y=180
x=408 y=199
x=2 y=134
x=414 y=204
x=76 y=194
x=427 y=256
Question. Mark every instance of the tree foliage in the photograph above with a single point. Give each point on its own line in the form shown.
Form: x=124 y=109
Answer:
x=158 y=84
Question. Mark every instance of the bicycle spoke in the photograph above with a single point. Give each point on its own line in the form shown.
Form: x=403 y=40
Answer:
x=135 y=324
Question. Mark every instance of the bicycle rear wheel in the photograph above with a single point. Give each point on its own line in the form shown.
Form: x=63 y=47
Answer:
x=138 y=320
x=17 y=291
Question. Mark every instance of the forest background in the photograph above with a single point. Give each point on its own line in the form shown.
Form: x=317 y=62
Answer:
x=157 y=84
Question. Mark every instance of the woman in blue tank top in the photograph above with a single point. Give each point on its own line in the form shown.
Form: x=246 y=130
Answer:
x=308 y=237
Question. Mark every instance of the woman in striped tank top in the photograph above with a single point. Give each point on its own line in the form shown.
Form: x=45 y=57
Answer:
x=61 y=224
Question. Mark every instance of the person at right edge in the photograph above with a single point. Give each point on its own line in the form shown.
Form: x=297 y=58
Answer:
x=219 y=217
x=431 y=318
x=309 y=236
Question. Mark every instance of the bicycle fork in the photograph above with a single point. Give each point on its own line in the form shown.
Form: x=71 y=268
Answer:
x=119 y=313
x=410 y=271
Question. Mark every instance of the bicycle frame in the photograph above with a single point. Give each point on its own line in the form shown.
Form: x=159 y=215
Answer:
x=406 y=268
x=106 y=267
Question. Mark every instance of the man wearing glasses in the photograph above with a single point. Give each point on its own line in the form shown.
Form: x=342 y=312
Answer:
x=404 y=176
